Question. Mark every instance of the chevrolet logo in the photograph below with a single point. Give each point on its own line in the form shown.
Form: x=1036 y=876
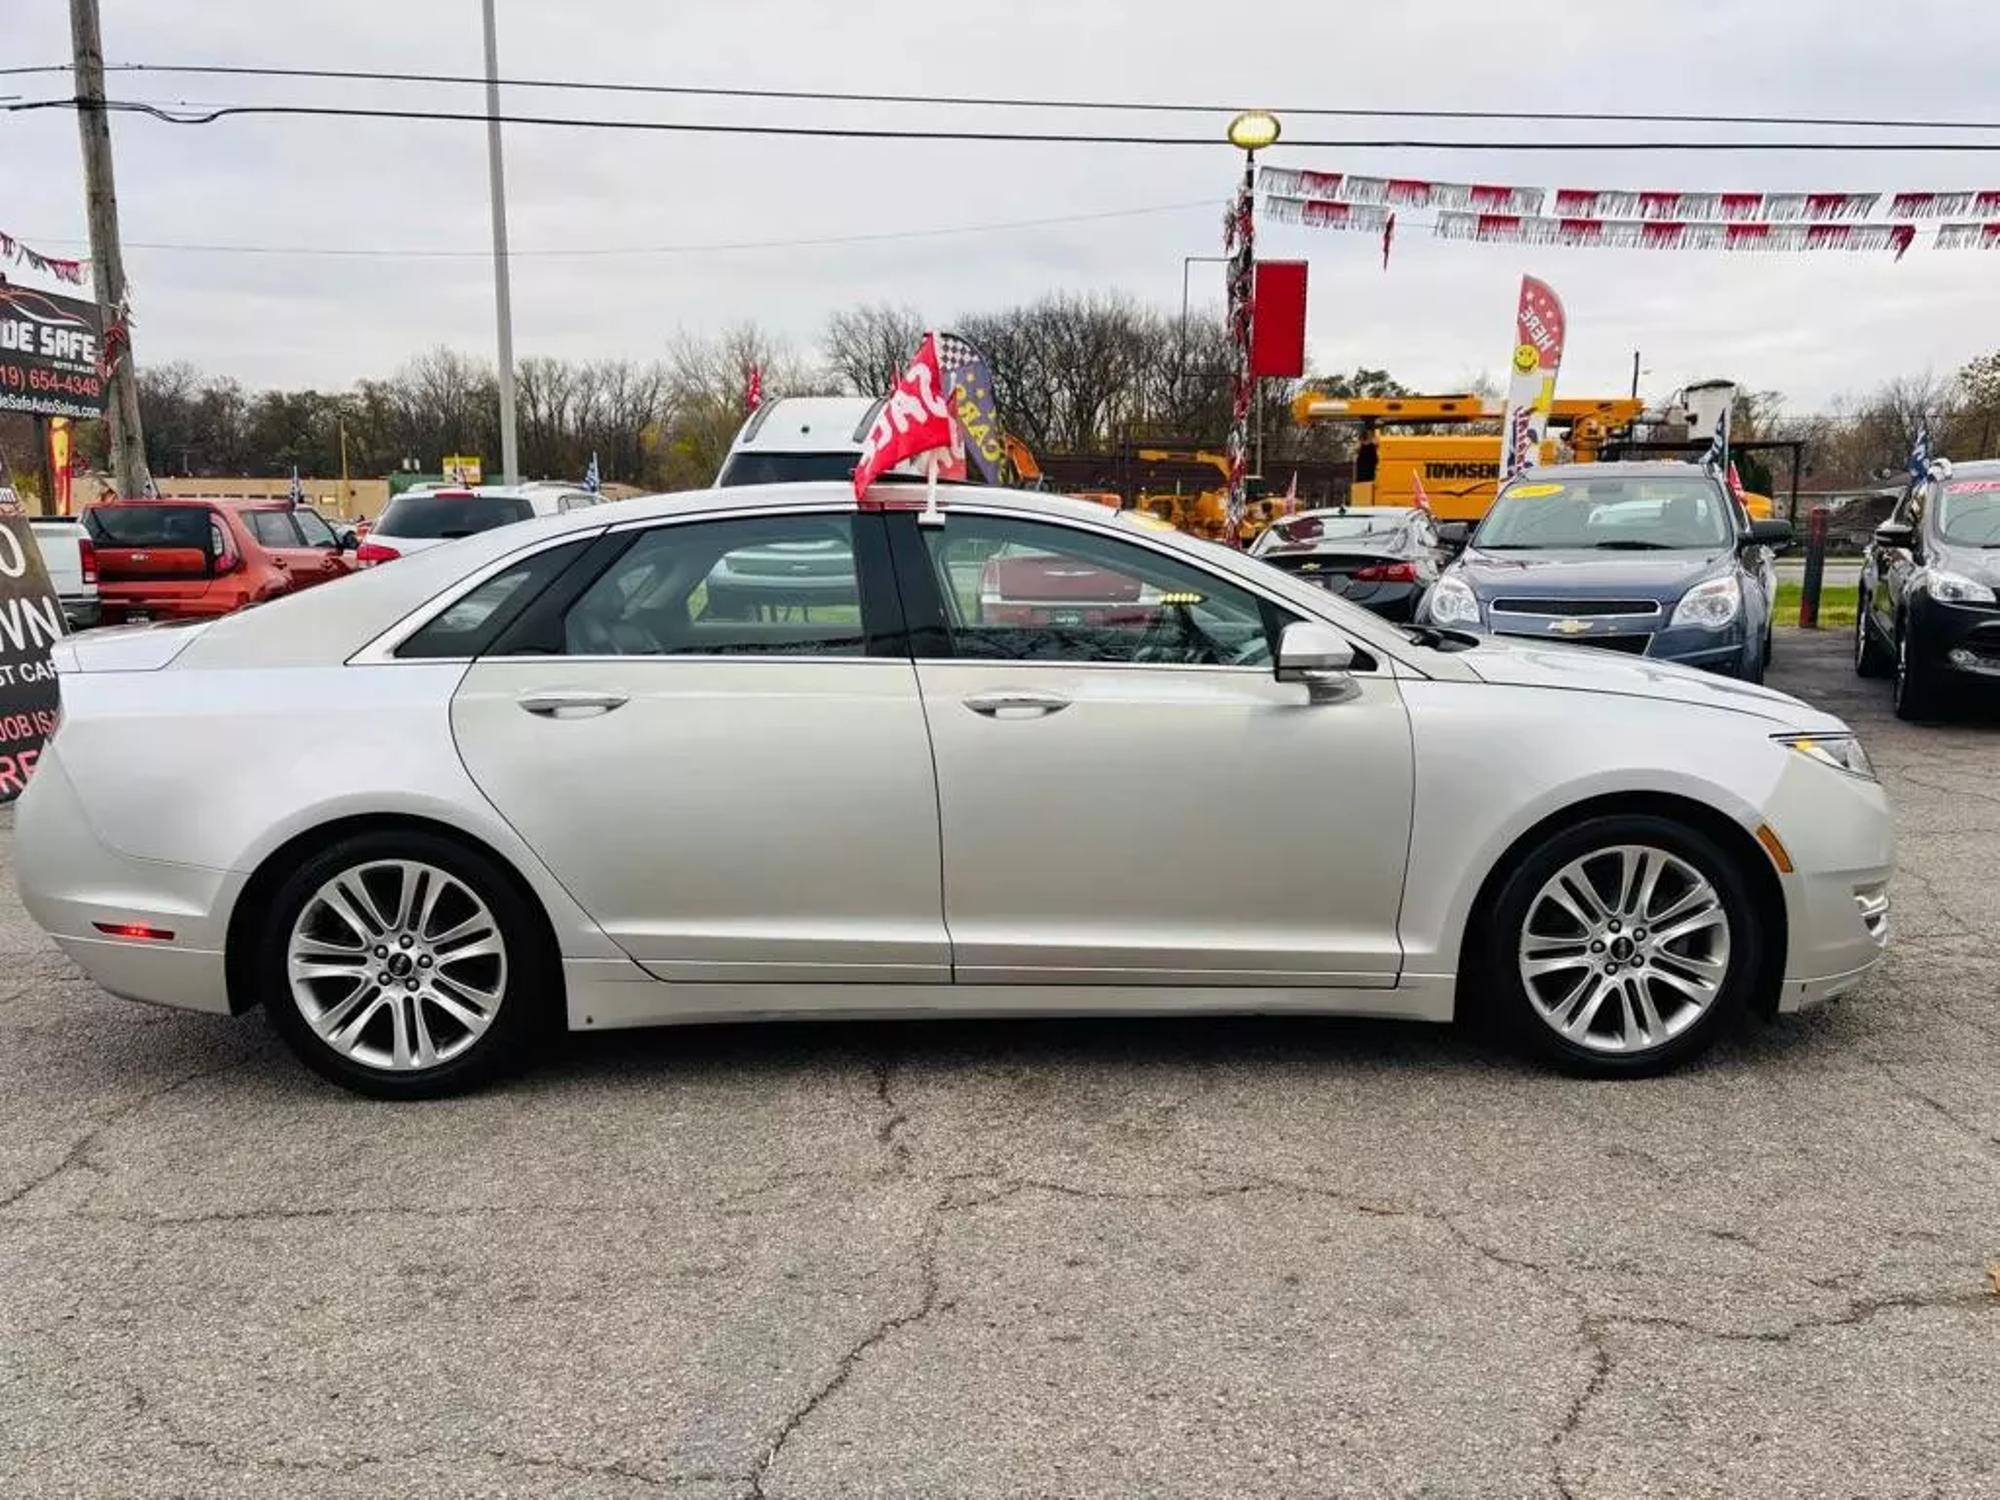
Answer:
x=1569 y=627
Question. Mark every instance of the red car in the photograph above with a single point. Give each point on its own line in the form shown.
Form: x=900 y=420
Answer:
x=192 y=559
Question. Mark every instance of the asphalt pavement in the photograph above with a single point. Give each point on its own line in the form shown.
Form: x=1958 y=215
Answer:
x=1283 y=1258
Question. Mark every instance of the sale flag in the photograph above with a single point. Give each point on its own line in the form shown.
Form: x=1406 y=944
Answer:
x=914 y=420
x=1539 y=327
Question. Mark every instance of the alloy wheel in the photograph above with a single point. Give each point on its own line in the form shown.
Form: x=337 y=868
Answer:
x=397 y=965
x=1624 y=948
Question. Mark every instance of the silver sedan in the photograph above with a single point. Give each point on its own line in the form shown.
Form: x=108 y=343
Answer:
x=1018 y=755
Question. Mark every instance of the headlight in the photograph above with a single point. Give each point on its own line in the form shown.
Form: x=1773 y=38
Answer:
x=1452 y=602
x=1956 y=588
x=1841 y=751
x=1710 y=605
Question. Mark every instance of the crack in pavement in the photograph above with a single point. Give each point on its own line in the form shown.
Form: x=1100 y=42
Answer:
x=1984 y=1139
x=927 y=1303
x=79 y=1152
x=894 y=1118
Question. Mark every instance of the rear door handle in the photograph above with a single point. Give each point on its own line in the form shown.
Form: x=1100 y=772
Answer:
x=1016 y=705
x=560 y=704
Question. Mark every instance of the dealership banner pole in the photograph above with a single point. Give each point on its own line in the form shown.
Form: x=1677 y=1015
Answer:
x=121 y=407
x=503 y=297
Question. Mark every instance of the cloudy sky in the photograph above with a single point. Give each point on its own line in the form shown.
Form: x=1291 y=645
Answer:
x=1812 y=326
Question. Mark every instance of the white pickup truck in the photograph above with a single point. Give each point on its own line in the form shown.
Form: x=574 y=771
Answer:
x=71 y=559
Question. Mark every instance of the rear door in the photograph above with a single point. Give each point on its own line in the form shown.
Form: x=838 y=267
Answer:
x=279 y=533
x=735 y=796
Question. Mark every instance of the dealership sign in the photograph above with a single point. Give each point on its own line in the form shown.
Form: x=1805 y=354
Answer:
x=49 y=352
x=31 y=621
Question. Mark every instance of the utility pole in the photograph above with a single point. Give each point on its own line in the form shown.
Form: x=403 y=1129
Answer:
x=1635 y=374
x=503 y=296
x=107 y=259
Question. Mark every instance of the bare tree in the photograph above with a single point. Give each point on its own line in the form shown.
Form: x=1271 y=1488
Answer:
x=867 y=347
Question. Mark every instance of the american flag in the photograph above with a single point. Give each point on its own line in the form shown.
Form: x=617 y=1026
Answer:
x=592 y=479
x=298 y=490
x=1718 y=448
x=1920 y=454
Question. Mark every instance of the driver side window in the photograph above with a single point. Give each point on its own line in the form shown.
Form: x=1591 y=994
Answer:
x=1029 y=591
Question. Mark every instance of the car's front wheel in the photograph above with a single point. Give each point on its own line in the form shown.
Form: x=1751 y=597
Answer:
x=404 y=965
x=1623 y=945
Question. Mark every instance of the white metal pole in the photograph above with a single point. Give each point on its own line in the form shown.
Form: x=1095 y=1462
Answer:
x=503 y=298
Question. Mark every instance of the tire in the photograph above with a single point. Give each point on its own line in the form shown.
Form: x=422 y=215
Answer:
x=1694 y=984
x=1916 y=684
x=1870 y=659
x=472 y=983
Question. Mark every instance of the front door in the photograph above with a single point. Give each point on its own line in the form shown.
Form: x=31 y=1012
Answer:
x=1127 y=793
x=740 y=793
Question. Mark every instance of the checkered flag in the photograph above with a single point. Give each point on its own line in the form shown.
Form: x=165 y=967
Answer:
x=954 y=353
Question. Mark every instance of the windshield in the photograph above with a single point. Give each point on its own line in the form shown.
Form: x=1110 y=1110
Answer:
x=450 y=515
x=1639 y=513
x=1306 y=531
x=785 y=468
x=1968 y=512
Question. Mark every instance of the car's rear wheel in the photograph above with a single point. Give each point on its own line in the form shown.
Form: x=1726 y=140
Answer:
x=1916 y=687
x=1623 y=945
x=405 y=966
x=1870 y=659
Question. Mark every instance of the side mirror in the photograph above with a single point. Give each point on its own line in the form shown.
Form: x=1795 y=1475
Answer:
x=1774 y=534
x=1312 y=652
x=1454 y=534
x=345 y=539
x=1895 y=534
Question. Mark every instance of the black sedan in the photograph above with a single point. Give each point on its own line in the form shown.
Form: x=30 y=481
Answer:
x=1381 y=557
x=1656 y=559
x=1929 y=610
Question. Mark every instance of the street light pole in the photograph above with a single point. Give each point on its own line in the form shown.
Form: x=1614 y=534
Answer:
x=503 y=297
x=1249 y=133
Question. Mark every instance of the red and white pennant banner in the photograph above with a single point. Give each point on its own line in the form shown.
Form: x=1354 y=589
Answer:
x=1968 y=236
x=1600 y=203
x=1945 y=205
x=1400 y=192
x=1633 y=234
x=1321 y=214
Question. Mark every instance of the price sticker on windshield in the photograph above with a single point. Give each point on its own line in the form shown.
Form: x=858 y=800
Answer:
x=1532 y=491
x=1973 y=487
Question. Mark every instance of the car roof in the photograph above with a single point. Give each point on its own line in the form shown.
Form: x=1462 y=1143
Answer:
x=325 y=625
x=806 y=424
x=1976 y=468
x=1623 y=469
x=1399 y=511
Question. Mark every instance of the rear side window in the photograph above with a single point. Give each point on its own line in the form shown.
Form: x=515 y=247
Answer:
x=272 y=527
x=440 y=516
x=148 y=526
x=782 y=586
x=467 y=627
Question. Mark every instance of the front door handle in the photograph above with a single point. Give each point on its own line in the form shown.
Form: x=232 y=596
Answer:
x=1026 y=705
x=561 y=704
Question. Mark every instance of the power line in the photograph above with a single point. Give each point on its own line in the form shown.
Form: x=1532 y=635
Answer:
x=709 y=247
x=1013 y=137
x=976 y=101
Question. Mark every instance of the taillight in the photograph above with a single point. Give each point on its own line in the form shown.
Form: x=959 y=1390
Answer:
x=1396 y=572
x=86 y=556
x=370 y=553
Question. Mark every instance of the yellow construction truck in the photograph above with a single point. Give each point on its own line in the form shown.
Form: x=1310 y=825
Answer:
x=1459 y=470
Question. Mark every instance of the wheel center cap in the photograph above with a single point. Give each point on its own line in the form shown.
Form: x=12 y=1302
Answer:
x=400 y=964
x=1622 y=948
